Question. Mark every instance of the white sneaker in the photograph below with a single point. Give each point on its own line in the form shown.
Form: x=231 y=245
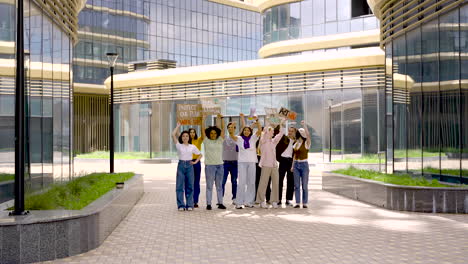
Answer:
x=181 y=209
x=275 y=205
x=190 y=209
x=264 y=205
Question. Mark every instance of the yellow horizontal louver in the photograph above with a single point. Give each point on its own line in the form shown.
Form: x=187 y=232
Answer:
x=398 y=17
x=373 y=77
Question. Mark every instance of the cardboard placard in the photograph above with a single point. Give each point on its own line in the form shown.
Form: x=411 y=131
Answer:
x=189 y=114
x=211 y=106
x=286 y=113
x=271 y=114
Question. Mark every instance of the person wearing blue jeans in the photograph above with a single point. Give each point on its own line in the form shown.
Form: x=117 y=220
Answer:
x=301 y=181
x=230 y=167
x=214 y=168
x=230 y=155
x=214 y=174
x=301 y=166
x=184 y=183
x=184 y=180
x=197 y=141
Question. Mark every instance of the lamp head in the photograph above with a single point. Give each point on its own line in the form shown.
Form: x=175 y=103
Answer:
x=112 y=58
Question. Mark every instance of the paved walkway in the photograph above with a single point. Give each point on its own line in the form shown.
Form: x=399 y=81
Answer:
x=333 y=230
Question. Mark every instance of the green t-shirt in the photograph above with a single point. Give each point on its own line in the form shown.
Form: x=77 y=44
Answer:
x=213 y=151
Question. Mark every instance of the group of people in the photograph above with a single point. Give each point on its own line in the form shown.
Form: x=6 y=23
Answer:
x=251 y=158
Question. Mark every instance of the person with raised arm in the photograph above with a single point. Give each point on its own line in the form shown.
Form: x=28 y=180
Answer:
x=269 y=165
x=301 y=165
x=197 y=141
x=284 y=155
x=214 y=170
x=230 y=155
x=246 y=163
x=184 y=180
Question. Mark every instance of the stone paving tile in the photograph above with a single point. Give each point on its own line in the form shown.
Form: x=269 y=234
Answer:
x=332 y=230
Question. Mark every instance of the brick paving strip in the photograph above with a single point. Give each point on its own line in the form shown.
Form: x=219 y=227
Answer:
x=332 y=230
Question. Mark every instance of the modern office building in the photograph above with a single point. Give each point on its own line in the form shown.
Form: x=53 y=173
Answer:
x=426 y=42
x=322 y=61
x=191 y=32
x=50 y=33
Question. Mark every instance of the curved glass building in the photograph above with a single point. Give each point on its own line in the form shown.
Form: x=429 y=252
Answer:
x=314 y=18
x=49 y=38
x=190 y=32
x=334 y=80
x=427 y=118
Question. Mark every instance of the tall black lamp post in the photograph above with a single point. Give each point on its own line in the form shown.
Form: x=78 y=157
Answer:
x=330 y=103
x=20 y=142
x=112 y=58
x=150 y=114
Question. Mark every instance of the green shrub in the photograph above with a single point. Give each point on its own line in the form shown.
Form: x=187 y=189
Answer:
x=6 y=177
x=76 y=194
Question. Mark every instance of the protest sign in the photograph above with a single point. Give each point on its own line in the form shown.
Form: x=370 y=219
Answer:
x=211 y=106
x=271 y=114
x=252 y=113
x=286 y=113
x=189 y=114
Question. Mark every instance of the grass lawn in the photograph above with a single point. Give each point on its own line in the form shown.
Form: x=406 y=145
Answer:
x=6 y=177
x=373 y=158
x=446 y=171
x=76 y=194
x=398 y=179
x=124 y=155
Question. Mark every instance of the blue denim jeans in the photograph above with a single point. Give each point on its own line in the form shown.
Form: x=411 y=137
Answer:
x=184 y=183
x=301 y=180
x=196 y=181
x=214 y=174
x=230 y=166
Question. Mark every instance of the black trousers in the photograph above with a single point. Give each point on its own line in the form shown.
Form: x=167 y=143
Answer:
x=285 y=165
x=258 y=172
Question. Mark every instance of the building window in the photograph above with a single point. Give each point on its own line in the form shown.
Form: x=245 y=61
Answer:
x=360 y=8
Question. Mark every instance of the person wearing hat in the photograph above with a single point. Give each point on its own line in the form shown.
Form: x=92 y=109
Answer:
x=214 y=165
x=300 y=166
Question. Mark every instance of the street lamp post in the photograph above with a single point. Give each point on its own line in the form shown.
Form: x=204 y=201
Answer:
x=150 y=113
x=112 y=58
x=330 y=103
x=20 y=143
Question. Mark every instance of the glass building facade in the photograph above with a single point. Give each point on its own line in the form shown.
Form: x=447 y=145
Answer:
x=313 y=18
x=191 y=32
x=48 y=90
x=352 y=119
x=428 y=117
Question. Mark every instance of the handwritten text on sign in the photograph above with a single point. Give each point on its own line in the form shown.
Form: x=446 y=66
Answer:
x=189 y=114
x=287 y=113
x=272 y=115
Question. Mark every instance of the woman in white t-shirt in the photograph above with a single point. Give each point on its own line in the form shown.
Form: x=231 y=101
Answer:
x=184 y=180
x=246 y=163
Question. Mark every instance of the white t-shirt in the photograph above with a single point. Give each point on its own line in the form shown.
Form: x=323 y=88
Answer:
x=185 y=151
x=250 y=154
x=288 y=152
